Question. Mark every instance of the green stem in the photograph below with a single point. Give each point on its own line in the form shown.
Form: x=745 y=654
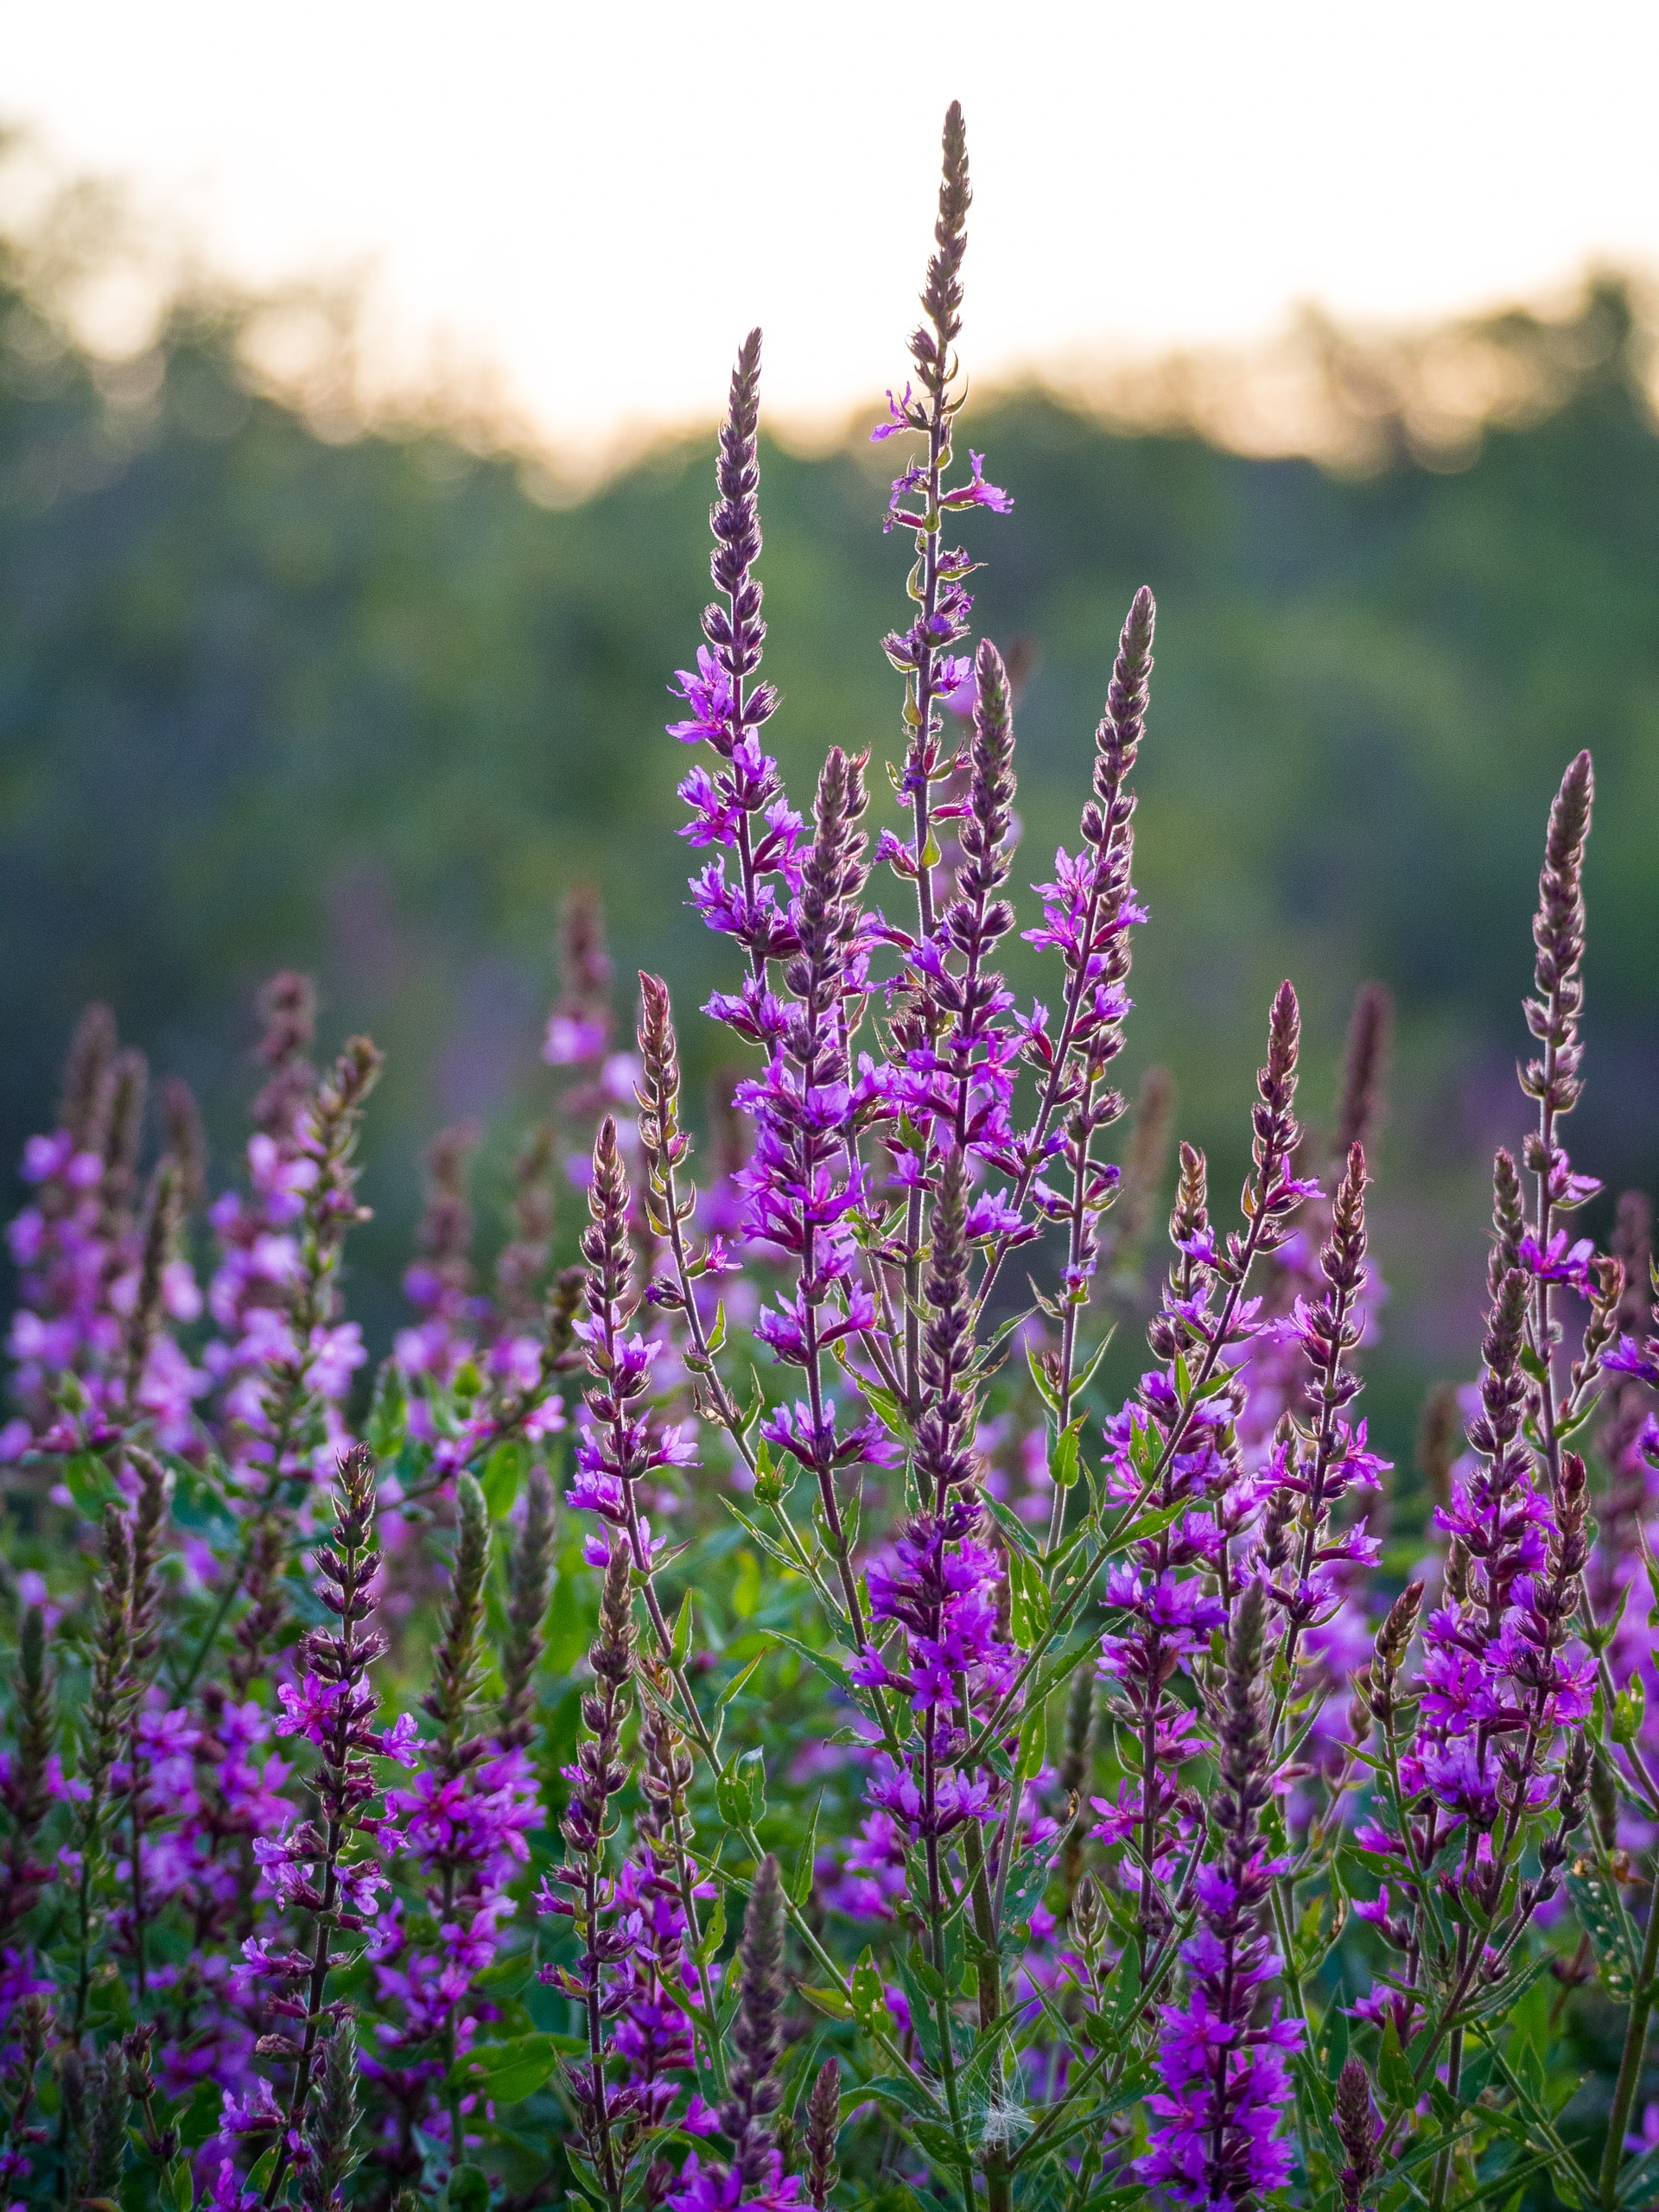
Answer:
x=1630 y=2065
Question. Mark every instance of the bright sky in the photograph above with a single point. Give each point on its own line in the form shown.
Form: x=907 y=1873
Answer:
x=599 y=199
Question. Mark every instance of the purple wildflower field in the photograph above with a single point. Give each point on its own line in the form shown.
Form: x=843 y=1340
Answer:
x=730 y=1713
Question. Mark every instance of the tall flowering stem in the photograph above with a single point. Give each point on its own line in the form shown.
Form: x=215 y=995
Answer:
x=1225 y=2081
x=921 y=501
x=333 y=1708
x=604 y=2118
x=109 y=1709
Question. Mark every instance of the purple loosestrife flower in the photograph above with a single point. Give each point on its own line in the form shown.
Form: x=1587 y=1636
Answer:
x=1088 y=911
x=921 y=498
x=804 y=1179
x=607 y=2120
x=100 y=1279
x=284 y=1357
x=462 y=1822
x=739 y=806
x=1357 y=2131
x=960 y=1053
x=621 y=1441
x=1216 y=2141
x=755 y=2176
x=315 y=1868
x=1317 y=1463
x=655 y=1896
x=579 y=1028
x=1277 y=1377
x=1175 y=1443
x=31 y=1777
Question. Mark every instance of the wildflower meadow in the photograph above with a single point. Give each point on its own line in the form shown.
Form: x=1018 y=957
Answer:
x=732 y=1711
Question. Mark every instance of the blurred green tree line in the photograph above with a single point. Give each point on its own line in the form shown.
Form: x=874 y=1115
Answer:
x=362 y=705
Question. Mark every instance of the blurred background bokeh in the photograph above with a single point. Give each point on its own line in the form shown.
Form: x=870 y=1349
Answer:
x=293 y=676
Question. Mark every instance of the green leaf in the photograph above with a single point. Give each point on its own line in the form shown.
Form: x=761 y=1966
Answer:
x=507 y=1977
x=746 y=1590
x=1392 y=2069
x=1063 y=1461
x=1045 y=1389
x=1028 y=1600
x=903 y=2093
x=713 y=1933
x=827 y=2000
x=504 y=1476
x=1063 y=1662
x=869 y=1997
x=1028 y=1878
x=740 y=1791
x=801 y=1888
x=1085 y=1374
x=506 y=2073
x=1629 y=1706
x=388 y=1421
x=936 y=2144
x=734 y=1687
x=682 y=1633
x=90 y=1485
x=469 y=2190
x=1636 y=2183
x=1598 y=1915
x=177 y=2192
x=832 y=1663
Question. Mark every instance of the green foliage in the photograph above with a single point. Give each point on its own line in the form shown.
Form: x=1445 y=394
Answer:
x=216 y=625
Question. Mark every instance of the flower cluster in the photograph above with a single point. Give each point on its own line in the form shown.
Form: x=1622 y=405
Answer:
x=874 y=1747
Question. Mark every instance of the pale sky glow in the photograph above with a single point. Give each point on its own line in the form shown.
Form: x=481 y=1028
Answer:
x=595 y=202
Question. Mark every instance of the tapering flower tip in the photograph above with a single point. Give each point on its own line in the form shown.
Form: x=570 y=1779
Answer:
x=472 y=1540
x=354 y=1076
x=330 y=2134
x=608 y=1194
x=1350 y=1192
x=1569 y=822
x=1361 y=1100
x=735 y=517
x=1509 y=1220
x=529 y=1583
x=112 y=2106
x=130 y=1090
x=611 y=1653
x=757 y=2035
x=1130 y=689
x=993 y=694
x=1244 y=1643
x=1190 y=1215
x=118 y=1553
x=186 y=1141
x=930 y=348
x=659 y=1047
x=287 y=1005
x=1088 y=1913
x=1358 y=2131
x=1284 y=1036
x=1572 y=1509
x=823 y=2128
x=1397 y=1630
x=357 y=1471
x=85 y=1103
